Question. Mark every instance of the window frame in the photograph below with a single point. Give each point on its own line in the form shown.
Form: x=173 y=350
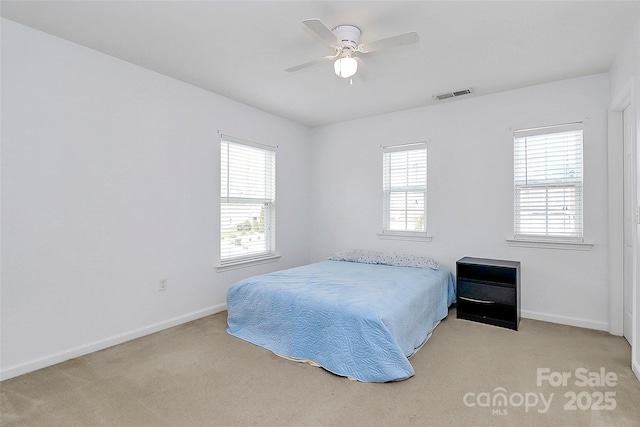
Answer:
x=565 y=239
x=268 y=201
x=403 y=234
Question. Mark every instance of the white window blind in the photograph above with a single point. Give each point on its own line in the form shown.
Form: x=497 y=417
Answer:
x=405 y=188
x=548 y=183
x=247 y=205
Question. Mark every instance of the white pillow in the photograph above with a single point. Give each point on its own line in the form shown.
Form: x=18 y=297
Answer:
x=409 y=260
x=396 y=259
x=357 y=255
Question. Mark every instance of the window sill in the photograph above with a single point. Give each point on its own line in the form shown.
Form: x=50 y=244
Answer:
x=399 y=235
x=246 y=262
x=547 y=244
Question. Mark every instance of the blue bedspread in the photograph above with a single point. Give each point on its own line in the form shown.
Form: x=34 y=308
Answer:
x=361 y=321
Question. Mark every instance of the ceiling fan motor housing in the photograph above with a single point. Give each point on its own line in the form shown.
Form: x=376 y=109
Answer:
x=348 y=34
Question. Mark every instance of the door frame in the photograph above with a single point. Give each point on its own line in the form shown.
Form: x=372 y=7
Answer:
x=616 y=210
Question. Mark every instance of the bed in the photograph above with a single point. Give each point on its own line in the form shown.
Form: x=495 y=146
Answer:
x=358 y=317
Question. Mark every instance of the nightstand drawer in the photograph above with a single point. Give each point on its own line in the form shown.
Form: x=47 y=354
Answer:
x=493 y=313
x=482 y=293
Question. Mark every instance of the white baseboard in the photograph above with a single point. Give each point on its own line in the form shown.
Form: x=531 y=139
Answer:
x=52 y=359
x=635 y=367
x=565 y=320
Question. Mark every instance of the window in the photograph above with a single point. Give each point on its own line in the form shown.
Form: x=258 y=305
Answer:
x=405 y=188
x=247 y=203
x=548 y=183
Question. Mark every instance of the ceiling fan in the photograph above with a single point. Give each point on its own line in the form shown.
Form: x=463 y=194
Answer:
x=345 y=39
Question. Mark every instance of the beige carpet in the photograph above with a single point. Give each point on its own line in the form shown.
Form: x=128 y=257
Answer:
x=197 y=375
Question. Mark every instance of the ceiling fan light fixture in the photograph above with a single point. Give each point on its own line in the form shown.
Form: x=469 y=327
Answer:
x=345 y=67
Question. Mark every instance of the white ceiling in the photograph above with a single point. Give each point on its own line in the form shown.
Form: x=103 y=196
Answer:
x=239 y=49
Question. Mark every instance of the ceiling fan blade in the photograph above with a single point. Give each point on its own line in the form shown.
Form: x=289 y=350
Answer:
x=318 y=27
x=399 y=40
x=310 y=63
x=362 y=69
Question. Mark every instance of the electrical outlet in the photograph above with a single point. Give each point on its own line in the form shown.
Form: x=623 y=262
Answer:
x=162 y=285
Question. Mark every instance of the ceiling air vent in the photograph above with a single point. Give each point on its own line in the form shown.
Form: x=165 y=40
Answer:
x=455 y=94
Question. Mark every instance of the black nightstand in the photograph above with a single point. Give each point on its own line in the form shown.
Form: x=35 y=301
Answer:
x=489 y=291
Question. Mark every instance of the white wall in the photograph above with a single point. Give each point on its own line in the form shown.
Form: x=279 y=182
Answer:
x=625 y=80
x=110 y=181
x=470 y=189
